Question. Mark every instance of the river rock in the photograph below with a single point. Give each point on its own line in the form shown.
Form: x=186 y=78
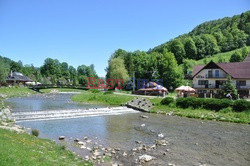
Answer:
x=5 y=115
x=138 y=142
x=161 y=142
x=76 y=140
x=108 y=154
x=144 y=116
x=86 y=158
x=145 y=158
x=81 y=143
x=124 y=154
x=160 y=135
x=83 y=147
x=142 y=125
x=61 y=137
x=96 y=153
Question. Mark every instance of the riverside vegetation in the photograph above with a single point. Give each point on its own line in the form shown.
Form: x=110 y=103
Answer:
x=198 y=110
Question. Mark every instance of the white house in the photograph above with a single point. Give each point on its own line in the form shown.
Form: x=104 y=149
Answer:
x=208 y=79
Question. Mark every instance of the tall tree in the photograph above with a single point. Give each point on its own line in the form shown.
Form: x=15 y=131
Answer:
x=236 y=57
x=4 y=70
x=177 y=48
x=190 y=48
x=117 y=69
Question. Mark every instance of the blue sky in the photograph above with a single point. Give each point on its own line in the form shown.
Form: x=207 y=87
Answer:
x=89 y=31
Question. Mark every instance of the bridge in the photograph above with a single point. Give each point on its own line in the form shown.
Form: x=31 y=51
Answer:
x=49 y=86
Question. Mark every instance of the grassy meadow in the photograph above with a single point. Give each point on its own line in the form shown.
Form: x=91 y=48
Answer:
x=23 y=149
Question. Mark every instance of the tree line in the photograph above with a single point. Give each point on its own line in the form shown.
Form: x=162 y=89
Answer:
x=171 y=60
x=51 y=72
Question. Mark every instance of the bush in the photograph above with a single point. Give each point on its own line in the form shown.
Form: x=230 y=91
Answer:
x=241 y=105
x=189 y=102
x=167 y=100
x=94 y=91
x=210 y=104
x=35 y=132
x=216 y=104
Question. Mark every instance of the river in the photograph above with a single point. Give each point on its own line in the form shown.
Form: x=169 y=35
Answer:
x=190 y=141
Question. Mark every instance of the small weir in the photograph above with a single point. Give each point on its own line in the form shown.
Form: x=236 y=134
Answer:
x=71 y=113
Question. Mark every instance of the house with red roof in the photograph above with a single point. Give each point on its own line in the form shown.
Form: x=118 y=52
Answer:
x=208 y=79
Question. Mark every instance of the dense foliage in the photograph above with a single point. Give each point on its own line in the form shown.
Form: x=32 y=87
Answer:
x=147 y=66
x=167 y=100
x=211 y=37
x=241 y=105
x=210 y=104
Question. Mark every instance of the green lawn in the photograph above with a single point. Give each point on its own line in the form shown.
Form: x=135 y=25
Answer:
x=23 y=149
x=61 y=90
x=223 y=115
x=16 y=91
x=102 y=98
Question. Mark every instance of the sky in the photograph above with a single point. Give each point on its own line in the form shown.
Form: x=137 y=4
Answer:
x=89 y=31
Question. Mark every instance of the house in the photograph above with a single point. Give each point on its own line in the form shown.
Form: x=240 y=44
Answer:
x=208 y=79
x=16 y=77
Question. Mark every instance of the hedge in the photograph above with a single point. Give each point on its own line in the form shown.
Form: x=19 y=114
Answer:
x=211 y=104
x=167 y=101
x=241 y=105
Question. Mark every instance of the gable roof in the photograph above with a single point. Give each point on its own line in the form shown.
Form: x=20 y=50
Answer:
x=16 y=76
x=236 y=70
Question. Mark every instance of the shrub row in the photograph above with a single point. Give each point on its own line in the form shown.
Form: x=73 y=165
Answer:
x=211 y=104
x=167 y=101
x=241 y=105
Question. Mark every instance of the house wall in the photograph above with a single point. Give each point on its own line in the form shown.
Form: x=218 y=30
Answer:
x=202 y=75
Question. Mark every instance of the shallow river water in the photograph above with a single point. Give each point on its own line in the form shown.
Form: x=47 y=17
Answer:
x=190 y=141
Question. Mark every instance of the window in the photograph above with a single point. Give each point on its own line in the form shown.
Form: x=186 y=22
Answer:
x=202 y=82
x=217 y=73
x=241 y=83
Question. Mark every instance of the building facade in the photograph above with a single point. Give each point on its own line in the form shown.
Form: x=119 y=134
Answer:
x=208 y=79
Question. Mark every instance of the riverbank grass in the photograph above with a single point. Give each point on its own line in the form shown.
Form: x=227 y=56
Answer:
x=23 y=149
x=15 y=91
x=225 y=114
x=51 y=90
x=102 y=98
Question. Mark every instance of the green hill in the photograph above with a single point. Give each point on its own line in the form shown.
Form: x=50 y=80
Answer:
x=210 y=38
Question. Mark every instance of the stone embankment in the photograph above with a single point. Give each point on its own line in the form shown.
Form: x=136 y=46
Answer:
x=7 y=121
x=140 y=104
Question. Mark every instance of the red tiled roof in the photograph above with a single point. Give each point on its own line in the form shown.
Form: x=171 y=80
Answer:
x=235 y=70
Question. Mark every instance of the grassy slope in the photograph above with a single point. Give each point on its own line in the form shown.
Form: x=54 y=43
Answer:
x=60 y=90
x=23 y=149
x=16 y=91
x=226 y=56
x=101 y=98
x=224 y=115
x=115 y=100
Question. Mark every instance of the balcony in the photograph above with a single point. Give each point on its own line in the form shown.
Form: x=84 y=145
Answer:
x=243 y=87
x=207 y=86
x=215 y=76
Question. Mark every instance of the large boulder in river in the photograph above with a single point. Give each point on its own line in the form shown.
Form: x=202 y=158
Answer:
x=5 y=115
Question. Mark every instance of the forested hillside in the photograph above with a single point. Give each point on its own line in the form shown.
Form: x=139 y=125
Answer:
x=211 y=37
x=205 y=40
